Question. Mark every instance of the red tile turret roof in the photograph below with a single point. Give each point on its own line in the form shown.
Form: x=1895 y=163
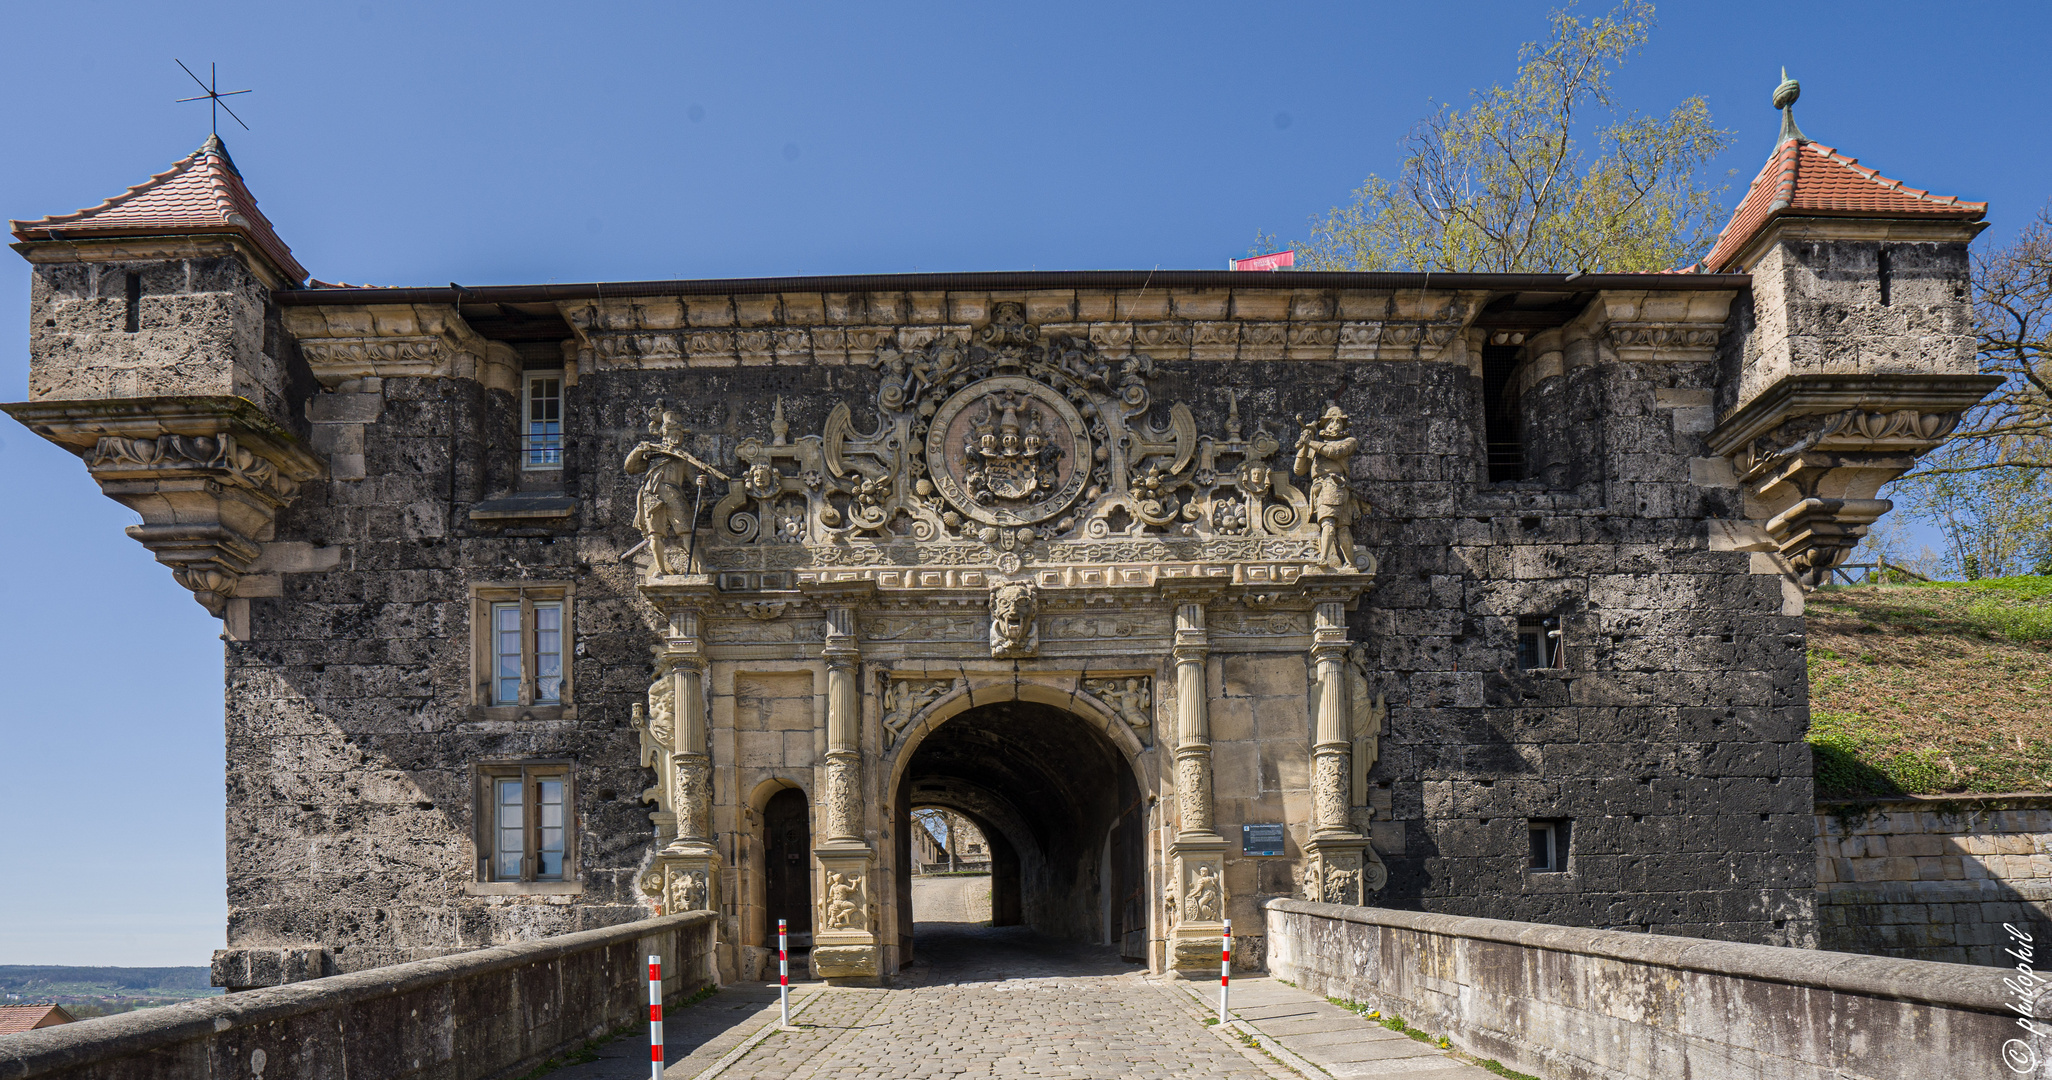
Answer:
x=1814 y=180
x=202 y=193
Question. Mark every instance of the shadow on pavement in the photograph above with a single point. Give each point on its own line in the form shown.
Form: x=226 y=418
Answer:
x=946 y=953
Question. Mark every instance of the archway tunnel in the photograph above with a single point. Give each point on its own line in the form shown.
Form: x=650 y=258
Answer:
x=1060 y=809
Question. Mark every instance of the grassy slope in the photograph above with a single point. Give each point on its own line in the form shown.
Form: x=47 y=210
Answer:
x=1932 y=688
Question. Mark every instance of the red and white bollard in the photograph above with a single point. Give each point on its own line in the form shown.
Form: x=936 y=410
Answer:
x=655 y=1017
x=1225 y=970
x=784 y=969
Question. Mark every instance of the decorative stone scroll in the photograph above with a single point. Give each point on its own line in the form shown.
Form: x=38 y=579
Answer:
x=1007 y=447
x=1812 y=451
x=207 y=475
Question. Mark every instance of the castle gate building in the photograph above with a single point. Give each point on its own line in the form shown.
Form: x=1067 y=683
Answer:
x=547 y=607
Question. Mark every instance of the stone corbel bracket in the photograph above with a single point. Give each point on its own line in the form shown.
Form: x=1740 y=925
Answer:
x=1812 y=451
x=207 y=474
x=345 y=345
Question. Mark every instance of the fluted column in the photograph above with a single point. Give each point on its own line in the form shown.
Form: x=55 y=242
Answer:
x=844 y=729
x=1193 y=721
x=693 y=764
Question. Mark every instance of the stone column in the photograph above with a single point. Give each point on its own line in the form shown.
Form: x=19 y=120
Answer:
x=1334 y=854
x=844 y=935
x=1197 y=856
x=686 y=873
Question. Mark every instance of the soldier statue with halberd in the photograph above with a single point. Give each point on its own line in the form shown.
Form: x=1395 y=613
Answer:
x=1324 y=450
x=660 y=511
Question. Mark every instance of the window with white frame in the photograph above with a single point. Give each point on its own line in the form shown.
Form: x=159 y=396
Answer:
x=525 y=822
x=541 y=420
x=525 y=634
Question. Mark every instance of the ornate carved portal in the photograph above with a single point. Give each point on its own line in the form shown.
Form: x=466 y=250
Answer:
x=1014 y=516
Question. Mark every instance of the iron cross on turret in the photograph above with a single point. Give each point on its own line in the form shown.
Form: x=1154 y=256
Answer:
x=213 y=96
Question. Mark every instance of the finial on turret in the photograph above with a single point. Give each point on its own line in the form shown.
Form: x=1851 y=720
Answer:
x=1784 y=99
x=780 y=429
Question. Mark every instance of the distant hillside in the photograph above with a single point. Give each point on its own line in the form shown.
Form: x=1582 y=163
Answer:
x=1932 y=688
x=97 y=991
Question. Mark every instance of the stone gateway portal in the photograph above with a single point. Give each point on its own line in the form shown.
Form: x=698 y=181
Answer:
x=1015 y=581
x=550 y=607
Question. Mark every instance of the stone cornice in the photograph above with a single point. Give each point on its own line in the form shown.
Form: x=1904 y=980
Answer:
x=348 y=343
x=1855 y=227
x=1216 y=324
x=1809 y=395
x=146 y=248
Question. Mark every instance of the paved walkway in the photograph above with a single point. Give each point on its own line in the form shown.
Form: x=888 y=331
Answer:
x=1323 y=1037
x=964 y=899
x=1004 y=1002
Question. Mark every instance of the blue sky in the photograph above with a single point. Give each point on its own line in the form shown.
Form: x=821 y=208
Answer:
x=518 y=142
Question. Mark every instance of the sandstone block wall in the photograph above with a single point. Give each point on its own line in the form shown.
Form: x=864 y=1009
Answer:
x=491 y=1013
x=1575 y=1004
x=1935 y=878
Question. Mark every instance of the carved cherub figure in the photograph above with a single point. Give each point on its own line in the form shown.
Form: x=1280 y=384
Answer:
x=1200 y=903
x=1324 y=450
x=840 y=906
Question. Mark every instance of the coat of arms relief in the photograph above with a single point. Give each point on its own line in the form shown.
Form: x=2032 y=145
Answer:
x=1004 y=447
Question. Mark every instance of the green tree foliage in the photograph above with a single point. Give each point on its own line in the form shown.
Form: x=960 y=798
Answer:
x=1503 y=185
x=1989 y=488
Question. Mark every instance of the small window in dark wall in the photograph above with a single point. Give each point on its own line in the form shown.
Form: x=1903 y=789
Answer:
x=1539 y=641
x=1885 y=269
x=134 y=315
x=1499 y=414
x=1549 y=845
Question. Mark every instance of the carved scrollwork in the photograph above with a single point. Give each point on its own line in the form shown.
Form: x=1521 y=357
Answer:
x=1022 y=446
x=219 y=455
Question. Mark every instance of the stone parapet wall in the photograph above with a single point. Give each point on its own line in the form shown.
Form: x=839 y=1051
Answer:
x=1562 y=1002
x=1934 y=878
x=493 y=1012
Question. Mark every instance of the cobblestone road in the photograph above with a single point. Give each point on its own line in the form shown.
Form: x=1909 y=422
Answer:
x=1002 y=1002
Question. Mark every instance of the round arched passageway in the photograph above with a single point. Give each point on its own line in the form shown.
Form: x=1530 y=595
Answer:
x=1059 y=806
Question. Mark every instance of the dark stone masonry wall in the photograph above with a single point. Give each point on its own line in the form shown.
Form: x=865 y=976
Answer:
x=1670 y=735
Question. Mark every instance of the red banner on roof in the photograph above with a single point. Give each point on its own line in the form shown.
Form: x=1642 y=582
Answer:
x=1277 y=260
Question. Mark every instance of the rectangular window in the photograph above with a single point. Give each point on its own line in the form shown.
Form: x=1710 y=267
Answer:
x=1539 y=641
x=525 y=821
x=541 y=421
x=1549 y=840
x=133 y=316
x=523 y=633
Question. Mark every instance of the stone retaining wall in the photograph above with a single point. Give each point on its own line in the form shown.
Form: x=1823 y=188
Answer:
x=475 y=1016
x=1934 y=878
x=1571 y=1004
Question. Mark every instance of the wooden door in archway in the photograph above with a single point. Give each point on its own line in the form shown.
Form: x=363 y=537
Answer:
x=787 y=851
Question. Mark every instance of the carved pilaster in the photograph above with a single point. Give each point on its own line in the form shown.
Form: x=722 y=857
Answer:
x=1198 y=853
x=845 y=936
x=1337 y=858
x=685 y=875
